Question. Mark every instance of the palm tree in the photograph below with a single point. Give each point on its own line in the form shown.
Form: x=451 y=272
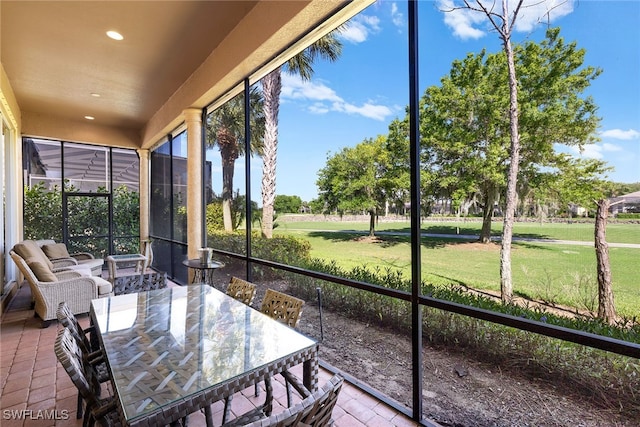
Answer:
x=225 y=128
x=328 y=47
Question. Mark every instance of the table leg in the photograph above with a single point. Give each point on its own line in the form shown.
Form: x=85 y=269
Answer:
x=197 y=276
x=112 y=269
x=208 y=279
x=310 y=373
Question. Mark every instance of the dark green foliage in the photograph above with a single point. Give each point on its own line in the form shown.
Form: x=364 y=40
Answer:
x=214 y=217
x=282 y=249
x=393 y=279
x=126 y=212
x=88 y=217
x=42 y=213
x=287 y=204
x=215 y=213
x=628 y=216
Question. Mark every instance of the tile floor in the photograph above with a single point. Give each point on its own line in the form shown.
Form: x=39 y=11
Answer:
x=36 y=391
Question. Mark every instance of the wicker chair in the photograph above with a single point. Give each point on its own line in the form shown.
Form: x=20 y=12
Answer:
x=314 y=411
x=286 y=309
x=103 y=411
x=282 y=307
x=72 y=287
x=241 y=290
x=91 y=352
x=279 y=306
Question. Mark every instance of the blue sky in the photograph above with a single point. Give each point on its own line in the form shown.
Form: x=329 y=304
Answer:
x=358 y=96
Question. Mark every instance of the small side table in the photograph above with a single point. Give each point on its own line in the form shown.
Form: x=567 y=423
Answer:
x=113 y=260
x=203 y=272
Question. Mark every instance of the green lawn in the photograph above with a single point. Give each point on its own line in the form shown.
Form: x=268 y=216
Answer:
x=564 y=274
x=619 y=233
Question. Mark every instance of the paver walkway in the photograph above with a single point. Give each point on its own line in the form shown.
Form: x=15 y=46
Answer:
x=36 y=391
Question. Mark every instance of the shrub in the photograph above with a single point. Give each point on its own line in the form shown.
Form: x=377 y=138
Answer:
x=628 y=216
x=609 y=379
x=281 y=249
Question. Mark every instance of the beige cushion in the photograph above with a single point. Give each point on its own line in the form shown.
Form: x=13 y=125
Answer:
x=29 y=249
x=41 y=271
x=57 y=250
x=104 y=286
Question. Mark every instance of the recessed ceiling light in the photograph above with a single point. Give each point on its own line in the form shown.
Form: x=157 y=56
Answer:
x=95 y=95
x=89 y=117
x=115 y=35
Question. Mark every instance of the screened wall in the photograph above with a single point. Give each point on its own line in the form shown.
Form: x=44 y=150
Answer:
x=395 y=197
x=86 y=196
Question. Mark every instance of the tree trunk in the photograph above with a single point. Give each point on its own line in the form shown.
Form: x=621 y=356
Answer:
x=606 y=307
x=372 y=222
x=227 y=196
x=487 y=216
x=271 y=87
x=229 y=154
x=506 y=281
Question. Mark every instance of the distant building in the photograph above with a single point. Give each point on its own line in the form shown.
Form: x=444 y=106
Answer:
x=627 y=203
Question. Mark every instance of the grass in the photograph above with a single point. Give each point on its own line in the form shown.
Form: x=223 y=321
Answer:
x=563 y=274
x=618 y=233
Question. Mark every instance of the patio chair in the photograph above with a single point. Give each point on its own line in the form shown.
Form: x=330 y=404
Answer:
x=103 y=411
x=284 y=308
x=49 y=288
x=314 y=411
x=60 y=257
x=241 y=290
x=91 y=352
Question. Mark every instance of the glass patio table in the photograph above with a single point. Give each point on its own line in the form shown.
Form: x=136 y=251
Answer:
x=173 y=351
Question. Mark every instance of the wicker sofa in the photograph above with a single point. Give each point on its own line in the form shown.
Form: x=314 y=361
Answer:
x=50 y=285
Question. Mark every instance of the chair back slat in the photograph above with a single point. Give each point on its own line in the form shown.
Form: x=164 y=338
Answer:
x=314 y=411
x=70 y=357
x=69 y=321
x=241 y=290
x=282 y=307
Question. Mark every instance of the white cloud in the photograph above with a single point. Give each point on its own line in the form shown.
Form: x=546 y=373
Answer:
x=372 y=111
x=293 y=87
x=324 y=99
x=319 y=108
x=625 y=135
x=595 y=151
x=359 y=28
x=471 y=24
x=396 y=16
x=461 y=21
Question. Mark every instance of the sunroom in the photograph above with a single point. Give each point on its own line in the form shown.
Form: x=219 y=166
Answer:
x=161 y=128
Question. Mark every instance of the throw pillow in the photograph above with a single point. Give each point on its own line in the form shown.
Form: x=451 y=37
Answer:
x=57 y=250
x=42 y=272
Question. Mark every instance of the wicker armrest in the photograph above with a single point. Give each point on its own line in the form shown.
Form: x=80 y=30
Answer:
x=77 y=292
x=67 y=274
x=63 y=262
x=82 y=255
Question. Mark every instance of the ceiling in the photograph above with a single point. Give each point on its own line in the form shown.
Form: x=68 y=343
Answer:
x=56 y=54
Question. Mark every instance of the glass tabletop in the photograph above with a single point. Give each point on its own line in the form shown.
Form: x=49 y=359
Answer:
x=125 y=257
x=173 y=343
x=196 y=263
